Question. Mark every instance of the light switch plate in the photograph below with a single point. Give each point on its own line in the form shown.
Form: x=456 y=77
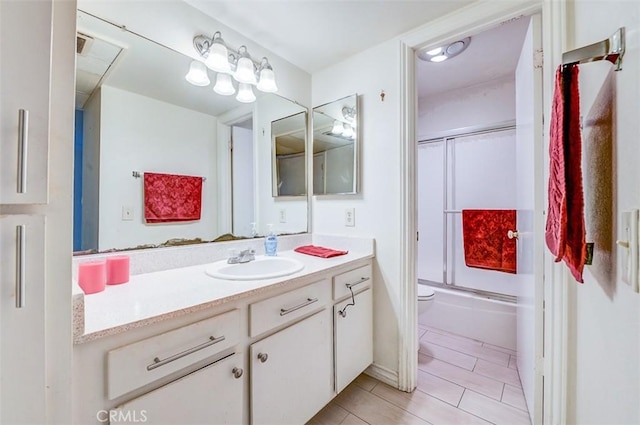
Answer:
x=629 y=243
x=350 y=217
x=283 y=215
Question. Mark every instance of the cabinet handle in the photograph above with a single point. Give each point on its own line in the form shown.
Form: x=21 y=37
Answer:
x=309 y=301
x=237 y=372
x=21 y=265
x=23 y=141
x=263 y=357
x=362 y=279
x=157 y=362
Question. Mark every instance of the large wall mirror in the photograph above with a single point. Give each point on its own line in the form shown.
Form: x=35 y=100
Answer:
x=336 y=147
x=135 y=112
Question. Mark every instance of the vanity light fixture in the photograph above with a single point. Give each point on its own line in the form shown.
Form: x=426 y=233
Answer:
x=345 y=128
x=227 y=63
x=443 y=53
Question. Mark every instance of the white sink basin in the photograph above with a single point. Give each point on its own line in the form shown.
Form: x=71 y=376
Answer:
x=261 y=268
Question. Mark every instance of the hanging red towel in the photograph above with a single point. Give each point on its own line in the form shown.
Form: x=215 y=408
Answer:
x=171 y=198
x=565 y=228
x=486 y=245
x=319 y=251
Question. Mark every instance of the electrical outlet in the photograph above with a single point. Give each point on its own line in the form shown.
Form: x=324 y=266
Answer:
x=127 y=213
x=350 y=217
x=283 y=216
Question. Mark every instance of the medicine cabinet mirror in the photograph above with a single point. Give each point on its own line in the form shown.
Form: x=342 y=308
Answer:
x=135 y=112
x=289 y=141
x=336 y=139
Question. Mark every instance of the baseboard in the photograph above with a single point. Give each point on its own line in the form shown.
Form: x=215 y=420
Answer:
x=388 y=376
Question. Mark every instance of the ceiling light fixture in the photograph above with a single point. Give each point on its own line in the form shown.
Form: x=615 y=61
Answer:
x=445 y=52
x=226 y=62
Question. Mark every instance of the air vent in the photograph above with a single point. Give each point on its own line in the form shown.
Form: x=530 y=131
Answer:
x=83 y=44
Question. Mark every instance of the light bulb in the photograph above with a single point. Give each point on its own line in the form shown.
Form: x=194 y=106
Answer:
x=267 y=81
x=348 y=131
x=197 y=74
x=224 y=85
x=438 y=58
x=218 y=59
x=244 y=70
x=337 y=127
x=435 y=51
x=245 y=93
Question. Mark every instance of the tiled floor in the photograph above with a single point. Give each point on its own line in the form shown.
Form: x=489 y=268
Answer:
x=460 y=381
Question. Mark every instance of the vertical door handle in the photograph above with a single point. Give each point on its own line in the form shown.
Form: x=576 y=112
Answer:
x=21 y=265
x=23 y=143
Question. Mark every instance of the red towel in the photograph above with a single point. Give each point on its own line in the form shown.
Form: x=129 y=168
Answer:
x=565 y=228
x=319 y=251
x=486 y=245
x=171 y=197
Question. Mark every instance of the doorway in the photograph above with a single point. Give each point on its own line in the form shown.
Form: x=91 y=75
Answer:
x=478 y=115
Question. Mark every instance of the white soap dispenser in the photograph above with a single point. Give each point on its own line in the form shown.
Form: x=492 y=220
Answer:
x=270 y=242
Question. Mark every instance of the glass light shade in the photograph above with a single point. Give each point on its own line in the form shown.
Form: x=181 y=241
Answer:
x=337 y=127
x=218 y=59
x=438 y=58
x=244 y=71
x=348 y=131
x=197 y=74
x=267 y=81
x=435 y=51
x=224 y=85
x=245 y=93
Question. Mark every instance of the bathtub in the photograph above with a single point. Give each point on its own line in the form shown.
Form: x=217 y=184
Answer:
x=472 y=316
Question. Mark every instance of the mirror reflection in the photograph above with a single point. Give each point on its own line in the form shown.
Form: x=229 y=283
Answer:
x=289 y=159
x=135 y=112
x=335 y=147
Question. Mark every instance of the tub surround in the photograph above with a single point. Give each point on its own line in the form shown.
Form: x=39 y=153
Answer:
x=171 y=282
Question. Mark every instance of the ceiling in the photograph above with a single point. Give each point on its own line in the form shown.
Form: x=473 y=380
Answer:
x=315 y=34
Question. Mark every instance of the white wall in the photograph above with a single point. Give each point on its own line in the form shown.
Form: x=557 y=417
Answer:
x=604 y=338
x=143 y=134
x=467 y=107
x=242 y=169
x=377 y=207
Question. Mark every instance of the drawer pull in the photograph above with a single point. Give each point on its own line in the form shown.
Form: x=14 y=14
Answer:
x=21 y=264
x=263 y=357
x=362 y=280
x=237 y=372
x=23 y=140
x=157 y=362
x=286 y=311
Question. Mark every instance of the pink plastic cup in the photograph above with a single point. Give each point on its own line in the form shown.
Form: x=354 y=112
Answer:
x=117 y=270
x=92 y=276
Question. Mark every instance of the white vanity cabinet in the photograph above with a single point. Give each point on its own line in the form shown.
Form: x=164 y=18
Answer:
x=295 y=358
x=212 y=395
x=353 y=325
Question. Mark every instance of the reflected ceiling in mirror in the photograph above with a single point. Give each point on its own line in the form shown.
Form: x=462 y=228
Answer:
x=289 y=155
x=136 y=112
x=336 y=147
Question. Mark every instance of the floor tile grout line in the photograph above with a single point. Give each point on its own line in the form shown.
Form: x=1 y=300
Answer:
x=462 y=352
x=436 y=397
x=508 y=405
x=472 y=371
x=502 y=395
x=401 y=408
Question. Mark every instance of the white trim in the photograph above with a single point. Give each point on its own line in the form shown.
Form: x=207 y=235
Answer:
x=381 y=373
x=475 y=18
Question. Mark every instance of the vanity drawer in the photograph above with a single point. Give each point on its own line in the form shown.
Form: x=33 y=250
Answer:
x=143 y=362
x=285 y=308
x=358 y=279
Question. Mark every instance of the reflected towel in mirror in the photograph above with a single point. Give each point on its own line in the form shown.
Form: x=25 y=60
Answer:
x=172 y=197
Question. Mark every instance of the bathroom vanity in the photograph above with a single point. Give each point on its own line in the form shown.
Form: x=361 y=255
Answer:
x=178 y=346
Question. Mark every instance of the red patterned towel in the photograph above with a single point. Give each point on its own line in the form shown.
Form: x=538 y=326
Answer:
x=171 y=197
x=486 y=245
x=565 y=233
x=319 y=251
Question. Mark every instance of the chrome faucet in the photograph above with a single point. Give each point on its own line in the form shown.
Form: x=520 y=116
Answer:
x=244 y=256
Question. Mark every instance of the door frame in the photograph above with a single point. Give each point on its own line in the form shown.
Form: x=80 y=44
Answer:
x=475 y=18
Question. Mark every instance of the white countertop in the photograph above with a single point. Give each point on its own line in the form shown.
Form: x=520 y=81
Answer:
x=151 y=297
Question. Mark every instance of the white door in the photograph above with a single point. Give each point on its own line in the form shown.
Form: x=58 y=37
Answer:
x=529 y=183
x=24 y=100
x=242 y=168
x=22 y=319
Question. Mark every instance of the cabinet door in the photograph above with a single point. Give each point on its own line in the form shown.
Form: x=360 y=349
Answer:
x=25 y=55
x=22 y=324
x=291 y=372
x=353 y=338
x=211 y=395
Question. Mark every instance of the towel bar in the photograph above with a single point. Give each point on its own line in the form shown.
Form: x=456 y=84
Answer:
x=611 y=49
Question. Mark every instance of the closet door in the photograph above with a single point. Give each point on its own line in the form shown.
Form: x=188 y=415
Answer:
x=25 y=54
x=22 y=323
